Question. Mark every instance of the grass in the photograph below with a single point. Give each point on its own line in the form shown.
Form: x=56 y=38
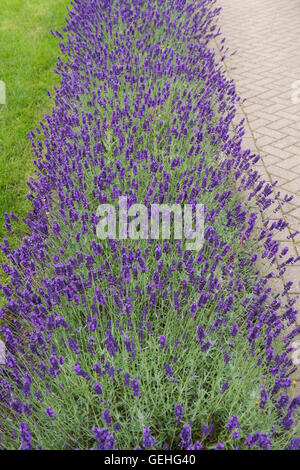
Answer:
x=28 y=55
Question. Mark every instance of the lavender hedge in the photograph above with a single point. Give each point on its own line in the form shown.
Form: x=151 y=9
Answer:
x=122 y=344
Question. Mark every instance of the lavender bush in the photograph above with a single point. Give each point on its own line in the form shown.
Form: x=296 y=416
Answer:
x=122 y=344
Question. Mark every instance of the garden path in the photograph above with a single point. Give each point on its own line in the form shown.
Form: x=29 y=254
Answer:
x=266 y=69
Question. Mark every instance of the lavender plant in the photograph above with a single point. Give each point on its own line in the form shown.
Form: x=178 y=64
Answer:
x=138 y=344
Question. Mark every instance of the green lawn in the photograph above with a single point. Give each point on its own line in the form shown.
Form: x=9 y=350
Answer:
x=28 y=55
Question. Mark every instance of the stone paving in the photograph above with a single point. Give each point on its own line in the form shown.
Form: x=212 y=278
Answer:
x=266 y=69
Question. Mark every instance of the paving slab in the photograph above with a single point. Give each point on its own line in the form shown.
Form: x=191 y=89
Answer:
x=265 y=35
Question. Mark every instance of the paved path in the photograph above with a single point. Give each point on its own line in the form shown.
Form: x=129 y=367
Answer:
x=266 y=69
